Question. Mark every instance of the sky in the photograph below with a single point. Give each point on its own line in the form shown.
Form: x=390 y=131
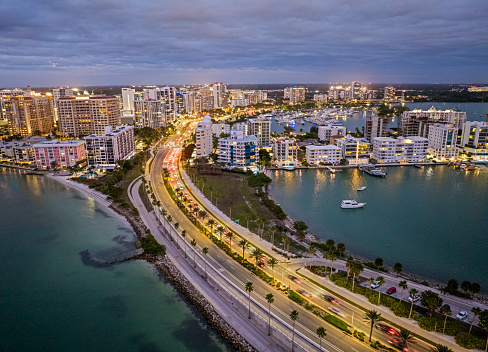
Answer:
x=122 y=42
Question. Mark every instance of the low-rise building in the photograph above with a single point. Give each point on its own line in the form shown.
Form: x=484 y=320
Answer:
x=238 y=150
x=24 y=154
x=411 y=149
x=59 y=154
x=285 y=151
x=103 y=151
x=325 y=132
x=326 y=154
x=354 y=150
x=320 y=97
x=474 y=139
x=442 y=142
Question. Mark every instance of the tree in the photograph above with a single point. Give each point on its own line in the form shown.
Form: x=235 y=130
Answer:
x=476 y=311
x=229 y=235
x=257 y=254
x=483 y=323
x=372 y=317
x=447 y=311
x=341 y=248
x=406 y=337
x=349 y=263
x=397 y=268
x=441 y=348
x=202 y=214
x=466 y=287
x=381 y=282
x=413 y=294
x=312 y=250
x=272 y=263
x=378 y=262
x=220 y=228
x=430 y=300
x=177 y=225
x=371 y=280
x=403 y=285
x=194 y=243
x=452 y=286
x=301 y=228
x=205 y=252
x=329 y=243
x=269 y=299
x=249 y=288
x=321 y=334
x=211 y=223
x=183 y=234
x=475 y=288
x=230 y=210
x=244 y=244
x=294 y=317
x=357 y=269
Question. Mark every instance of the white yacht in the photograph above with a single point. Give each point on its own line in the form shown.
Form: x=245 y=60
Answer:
x=362 y=188
x=351 y=204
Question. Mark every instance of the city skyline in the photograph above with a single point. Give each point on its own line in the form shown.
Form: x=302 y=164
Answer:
x=107 y=43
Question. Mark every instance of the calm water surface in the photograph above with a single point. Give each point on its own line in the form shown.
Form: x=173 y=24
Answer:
x=50 y=301
x=433 y=220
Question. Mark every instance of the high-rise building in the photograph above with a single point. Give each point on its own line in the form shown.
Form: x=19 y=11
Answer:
x=104 y=150
x=297 y=95
x=401 y=150
x=59 y=154
x=219 y=128
x=238 y=150
x=389 y=93
x=325 y=132
x=474 y=140
x=218 y=92
x=27 y=115
x=261 y=128
x=5 y=96
x=376 y=126
x=128 y=99
x=287 y=93
x=203 y=137
x=320 y=97
x=355 y=90
x=417 y=122
x=150 y=113
x=442 y=142
x=168 y=94
x=285 y=151
x=82 y=115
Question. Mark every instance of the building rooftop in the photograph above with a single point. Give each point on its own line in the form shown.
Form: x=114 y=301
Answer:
x=322 y=147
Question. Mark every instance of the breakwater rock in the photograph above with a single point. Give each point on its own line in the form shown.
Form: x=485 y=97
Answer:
x=181 y=283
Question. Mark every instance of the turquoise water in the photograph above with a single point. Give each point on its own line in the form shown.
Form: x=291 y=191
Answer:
x=51 y=301
x=433 y=220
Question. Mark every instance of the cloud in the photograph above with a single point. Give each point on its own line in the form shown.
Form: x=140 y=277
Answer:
x=314 y=40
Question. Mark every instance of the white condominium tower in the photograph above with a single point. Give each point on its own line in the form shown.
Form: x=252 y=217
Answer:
x=83 y=115
x=285 y=151
x=104 y=150
x=442 y=142
x=203 y=137
x=218 y=92
x=261 y=128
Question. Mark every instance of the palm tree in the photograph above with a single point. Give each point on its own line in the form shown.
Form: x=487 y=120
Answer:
x=403 y=286
x=381 y=282
x=332 y=257
x=270 y=299
x=321 y=334
x=447 y=311
x=220 y=228
x=372 y=317
x=371 y=280
x=441 y=348
x=229 y=235
x=176 y=228
x=194 y=243
x=476 y=311
x=349 y=264
x=230 y=210
x=406 y=337
x=257 y=254
x=169 y=218
x=412 y=293
x=247 y=220
x=294 y=317
x=272 y=263
x=244 y=244
x=205 y=252
x=356 y=269
x=183 y=234
x=211 y=193
x=211 y=223
x=249 y=289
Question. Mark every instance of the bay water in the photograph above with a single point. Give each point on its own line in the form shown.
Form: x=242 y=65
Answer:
x=432 y=220
x=51 y=301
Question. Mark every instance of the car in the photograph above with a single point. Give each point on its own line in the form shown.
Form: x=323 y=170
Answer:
x=444 y=308
x=462 y=315
x=391 y=290
x=261 y=264
x=375 y=284
x=414 y=299
x=330 y=299
x=294 y=278
x=386 y=328
x=303 y=293
x=337 y=311
x=398 y=344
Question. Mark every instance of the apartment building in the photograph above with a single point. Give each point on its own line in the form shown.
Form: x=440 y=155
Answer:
x=204 y=138
x=59 y=154
x=417 y=122
x=401 y=150
x=325 y=132
x=29 y=114
x=150 y=113
x=260 y=128
x=320 y=98
x=83 y=115
x=354 y=150
x=442 y=142
x=238 y=150
x=104 y=150
x=376 y=126
x=474 y=139
x=219 y=128
x=285 y=151
x=326 y=154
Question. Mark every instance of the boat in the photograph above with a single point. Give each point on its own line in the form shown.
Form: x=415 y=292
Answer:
x=288 y=168
x=418 y=166
x=361 y=188
x=351 y=204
